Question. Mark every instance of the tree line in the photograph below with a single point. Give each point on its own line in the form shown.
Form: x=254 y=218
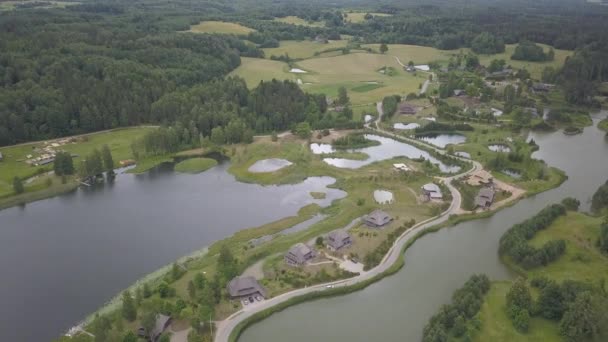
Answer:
x=514 y=243
x=451 y=320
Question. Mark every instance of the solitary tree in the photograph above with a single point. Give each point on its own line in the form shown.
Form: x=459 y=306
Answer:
x=303 y=130
x=108 y=162
x=18 y=185
x=342 y=96
x=383 y=48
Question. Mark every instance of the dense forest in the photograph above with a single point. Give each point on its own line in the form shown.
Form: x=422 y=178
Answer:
x=106 y=64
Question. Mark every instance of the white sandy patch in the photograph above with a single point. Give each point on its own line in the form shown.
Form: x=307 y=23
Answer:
x=297 y=71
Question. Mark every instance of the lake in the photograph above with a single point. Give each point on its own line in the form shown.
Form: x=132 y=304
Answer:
x=68 y=255
x=388 y=148
x=442 y=140
x=438 y=263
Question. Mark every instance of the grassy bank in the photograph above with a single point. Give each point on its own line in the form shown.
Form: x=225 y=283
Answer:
x=603 y=125
x=195 y=165
x=582 y=261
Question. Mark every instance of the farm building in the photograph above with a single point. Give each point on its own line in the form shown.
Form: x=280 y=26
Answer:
x=337 y=240
x=484 y=198
x=541 y=87
x=240 y=287
x=406 y=108
x=299 y=254
x=377 y=219
x=431 y=191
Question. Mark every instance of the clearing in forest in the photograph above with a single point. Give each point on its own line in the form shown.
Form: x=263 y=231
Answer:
x=220 y=27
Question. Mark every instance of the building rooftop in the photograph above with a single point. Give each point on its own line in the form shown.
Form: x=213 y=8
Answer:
x=245 y=286
x=338 y=238
x=300 y=253
x=378 y=218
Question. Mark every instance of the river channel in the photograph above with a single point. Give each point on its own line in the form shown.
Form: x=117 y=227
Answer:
x=398 y=307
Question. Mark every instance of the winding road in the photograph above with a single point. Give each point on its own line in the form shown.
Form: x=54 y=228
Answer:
x=225 y=327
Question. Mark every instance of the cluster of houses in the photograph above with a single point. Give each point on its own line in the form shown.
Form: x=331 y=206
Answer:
x=46 y=154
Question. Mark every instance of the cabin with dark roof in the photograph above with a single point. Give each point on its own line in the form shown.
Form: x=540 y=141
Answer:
x=377 y=219
x=161 y=324
x=484 y=198
x=299 y=254
x=242 y=287
x=337 y=240
x=541 y=87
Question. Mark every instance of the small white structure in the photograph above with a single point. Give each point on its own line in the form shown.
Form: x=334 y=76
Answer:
x=496 y=112
x=431 y=191
x=422 y=67
x=297 y=71
x=401 y=167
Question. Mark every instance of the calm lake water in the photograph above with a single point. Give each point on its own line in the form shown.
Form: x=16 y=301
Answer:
x=398 y=307
x=388 y=149
x=442 y=140
x=63 y=257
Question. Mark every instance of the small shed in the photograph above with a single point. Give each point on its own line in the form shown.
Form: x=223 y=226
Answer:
x=162 y=323
x=401 y=167
x=377 y=219
x=458 y=92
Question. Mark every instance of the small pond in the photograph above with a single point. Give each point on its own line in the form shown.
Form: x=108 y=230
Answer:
x=500 y=148
x=512 y=173
x=463 y=154
x=321 y=148
x=400 y=125
x=269 y=165
x=388 y=148
x=383 y=197
x=442 y=140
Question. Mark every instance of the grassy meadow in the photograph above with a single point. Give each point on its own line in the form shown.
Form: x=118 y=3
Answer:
x=582 y=261
x=195 y=165
x=220 y=27
x=299 y=21
x=254 y=70
x=359 y=17
x=303 y=49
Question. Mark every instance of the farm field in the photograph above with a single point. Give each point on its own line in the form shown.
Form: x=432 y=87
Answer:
x=299 y=21
x=302 y=49
x=425 y=54
x=358 y=17
x=254 y=70
x=220 y=27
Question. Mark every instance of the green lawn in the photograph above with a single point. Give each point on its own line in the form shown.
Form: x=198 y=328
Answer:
x=220 y=27
x=11 y=5
x=118 y=140
x=497 y=327
x=195 y=165
x=254 y=70
x=303 y=49
x=299 y=21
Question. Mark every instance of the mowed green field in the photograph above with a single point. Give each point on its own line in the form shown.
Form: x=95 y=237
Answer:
x=119 y=142
x=302 y=49
x=359 y=17
x=355 y=71
x=10 y=5
x=220 y=27
x=299 y=21
x=254 y=70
